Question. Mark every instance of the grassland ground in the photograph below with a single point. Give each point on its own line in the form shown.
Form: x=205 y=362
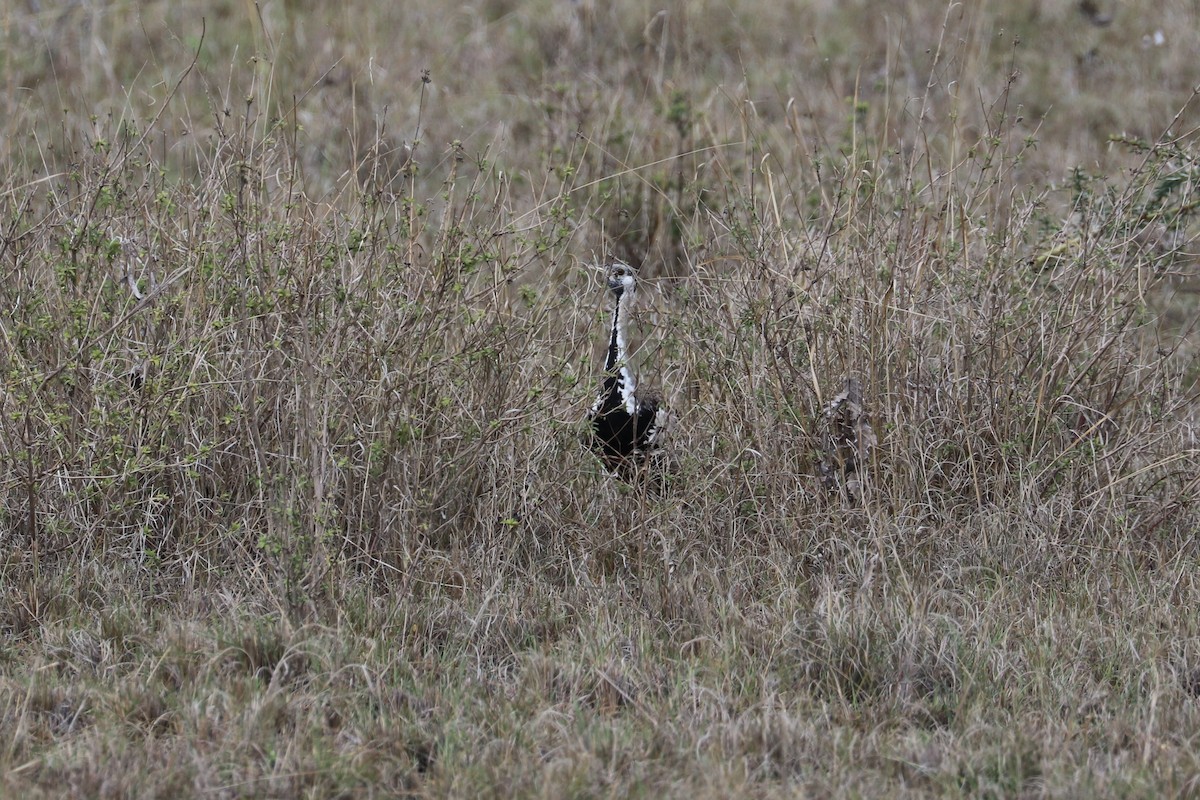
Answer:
x=299 y=325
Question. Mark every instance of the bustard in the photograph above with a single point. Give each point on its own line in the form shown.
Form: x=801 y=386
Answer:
x=626 y=423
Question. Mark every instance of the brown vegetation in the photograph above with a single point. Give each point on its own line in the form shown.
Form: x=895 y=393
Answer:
x=299 y=328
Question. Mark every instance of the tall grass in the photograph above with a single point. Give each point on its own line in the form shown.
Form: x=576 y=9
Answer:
x=292 y=484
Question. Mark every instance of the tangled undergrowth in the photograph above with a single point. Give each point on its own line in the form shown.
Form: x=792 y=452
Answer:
x=292 y=494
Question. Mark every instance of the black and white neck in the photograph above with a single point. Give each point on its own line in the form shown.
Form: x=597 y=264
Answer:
x=622 y=284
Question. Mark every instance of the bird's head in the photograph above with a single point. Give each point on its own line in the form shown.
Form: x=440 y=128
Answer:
x=621 y=278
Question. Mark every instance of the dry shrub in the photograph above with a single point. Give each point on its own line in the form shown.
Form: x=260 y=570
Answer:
x=292 y=470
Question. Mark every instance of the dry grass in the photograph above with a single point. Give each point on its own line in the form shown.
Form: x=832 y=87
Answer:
x=297 y=345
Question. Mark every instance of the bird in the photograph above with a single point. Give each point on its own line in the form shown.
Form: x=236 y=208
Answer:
x=627 y=424
x=848 y=440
